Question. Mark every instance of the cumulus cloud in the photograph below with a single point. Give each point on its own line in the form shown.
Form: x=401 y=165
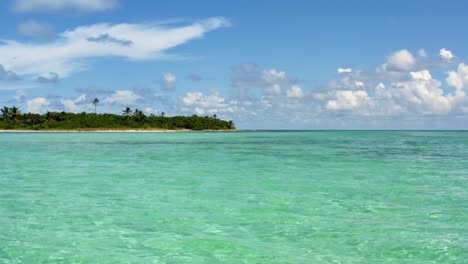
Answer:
x=446 y=54
x=37 y=105
x=401 y=60
x=421 y=75
x=419 y=94
x=168 y=81
x=359 y=84
x=348 y=100
x=406 y=89
x=35 y=29
x=396 y=66
x=207 y=104
x=123 y=97
x=350 y=81
x=74 y=105
x=273 y=76
x=247 y=78
x=423 y=95
x=459 y=78
x=272 y=81
x=344 y=70
x=295 y=92
x=67 y=54
x=64 y=5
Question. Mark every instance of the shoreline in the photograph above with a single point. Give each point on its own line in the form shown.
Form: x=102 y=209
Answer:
x=109 y=130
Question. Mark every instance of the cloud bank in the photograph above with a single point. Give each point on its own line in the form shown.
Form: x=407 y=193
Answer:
x=399 y=93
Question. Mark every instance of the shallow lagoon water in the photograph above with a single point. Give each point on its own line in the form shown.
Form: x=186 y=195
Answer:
x=245 y=197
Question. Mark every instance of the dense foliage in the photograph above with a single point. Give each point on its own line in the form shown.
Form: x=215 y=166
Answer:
x=12 y=118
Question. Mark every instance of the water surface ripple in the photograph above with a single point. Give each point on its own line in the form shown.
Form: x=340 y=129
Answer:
x=248 y=197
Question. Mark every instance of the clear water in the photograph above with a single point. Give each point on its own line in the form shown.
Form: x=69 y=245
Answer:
x=248 y=197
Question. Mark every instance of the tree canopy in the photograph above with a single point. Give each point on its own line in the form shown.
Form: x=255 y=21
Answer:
x=12 y=118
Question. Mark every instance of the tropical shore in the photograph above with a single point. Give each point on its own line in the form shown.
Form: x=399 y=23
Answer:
x=109 y=130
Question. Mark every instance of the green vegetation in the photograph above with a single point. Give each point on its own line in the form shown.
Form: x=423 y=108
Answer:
x=12 y=118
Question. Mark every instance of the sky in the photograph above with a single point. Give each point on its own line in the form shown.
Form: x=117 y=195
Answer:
x=263 y=64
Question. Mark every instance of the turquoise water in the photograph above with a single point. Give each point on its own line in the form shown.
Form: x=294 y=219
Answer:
x=247 y=197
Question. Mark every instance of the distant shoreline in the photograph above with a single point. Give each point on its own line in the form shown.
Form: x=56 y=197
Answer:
x=110 y=130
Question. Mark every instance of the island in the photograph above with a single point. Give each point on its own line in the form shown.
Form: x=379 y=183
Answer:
x=11 y=119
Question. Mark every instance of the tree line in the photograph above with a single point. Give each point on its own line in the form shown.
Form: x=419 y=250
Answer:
x=13 y=118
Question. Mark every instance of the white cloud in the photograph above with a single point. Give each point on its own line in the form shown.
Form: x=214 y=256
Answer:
x=169 y=81
x=359 y=84
x=385 y=102
x=423 y=95
x=401 y=89
x=246 y=78
x=35 y=29
x=421 y=75
x=295 y=92
x=348 y=100
x=74 y=105
x=348 y=81
x=401 y=60
x=273 y=76
x=357 y=95
x=211 y=104
x=419 y=95
x=64 y=5
x=344 y=70
x=381 y=91
x=459 y=78
x=37 y=105
x=123 y=97
x=66 y=54
x=446 y=54
x=272 y=80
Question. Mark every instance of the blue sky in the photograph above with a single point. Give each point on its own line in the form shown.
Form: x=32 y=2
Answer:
x=264 y=64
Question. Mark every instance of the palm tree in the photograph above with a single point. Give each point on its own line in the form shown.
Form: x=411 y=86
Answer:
x=127 y=112
x=95 y=102
x=5 y=112
x=163 y=114
x=48 y=116
x=138 y=115
x=15 y=112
